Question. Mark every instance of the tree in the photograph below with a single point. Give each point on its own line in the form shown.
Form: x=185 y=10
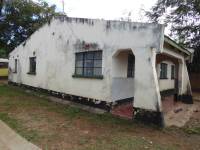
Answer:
x=183 y=16
x=1 y=5
x=2 y=53
x=20 y=18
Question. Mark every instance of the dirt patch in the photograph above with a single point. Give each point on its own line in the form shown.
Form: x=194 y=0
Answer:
x=180 y=114
x=59 y=127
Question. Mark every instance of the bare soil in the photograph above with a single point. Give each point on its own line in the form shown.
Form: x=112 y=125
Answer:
x=56 y=127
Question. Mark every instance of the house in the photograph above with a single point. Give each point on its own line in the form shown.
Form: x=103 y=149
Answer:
x=3 y=68
x=113 y=65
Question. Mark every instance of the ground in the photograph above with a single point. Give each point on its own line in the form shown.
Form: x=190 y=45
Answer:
x=53 y=126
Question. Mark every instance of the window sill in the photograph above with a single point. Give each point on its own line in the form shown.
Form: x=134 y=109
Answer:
x=89 y=77
x=31 y=73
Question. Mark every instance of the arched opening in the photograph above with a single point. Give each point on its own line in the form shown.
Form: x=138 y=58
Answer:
x=123 y=73
x=123 y=64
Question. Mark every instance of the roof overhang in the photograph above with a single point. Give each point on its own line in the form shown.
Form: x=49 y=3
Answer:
x=177 y=46
x=3 y=60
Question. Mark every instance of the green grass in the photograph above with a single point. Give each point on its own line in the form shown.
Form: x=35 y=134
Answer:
x=13 y=99
x=125 y=143
x=192 y=130
x=30 y=135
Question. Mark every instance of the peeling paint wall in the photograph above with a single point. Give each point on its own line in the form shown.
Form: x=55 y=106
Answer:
x=55 y=45
x=146 y=95
x=183 y=77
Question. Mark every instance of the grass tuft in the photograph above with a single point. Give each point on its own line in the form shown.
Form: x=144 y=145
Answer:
x=192 y=130
x=30 y=135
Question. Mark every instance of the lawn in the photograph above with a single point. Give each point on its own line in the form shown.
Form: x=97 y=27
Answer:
x=53 y=126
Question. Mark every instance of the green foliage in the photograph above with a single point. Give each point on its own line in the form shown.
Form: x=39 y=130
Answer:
x=183 y=17
x=20 y=18
x=193 y=130
x=2 y=53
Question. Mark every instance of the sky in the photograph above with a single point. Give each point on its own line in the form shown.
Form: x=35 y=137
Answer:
x=105 y=9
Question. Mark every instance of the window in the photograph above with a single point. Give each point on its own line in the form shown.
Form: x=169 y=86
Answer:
x=88 y=64
x=131 y=66
x=15 y=70
x=163 y=71
x=172 y=72
x=3 y=65
x=32 y=65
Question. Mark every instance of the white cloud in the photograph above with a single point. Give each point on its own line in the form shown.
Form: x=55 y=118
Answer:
x=107 y=9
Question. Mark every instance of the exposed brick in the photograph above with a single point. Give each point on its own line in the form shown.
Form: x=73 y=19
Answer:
x=123 y=110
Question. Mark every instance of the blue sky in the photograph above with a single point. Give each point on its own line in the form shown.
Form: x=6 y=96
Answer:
x=105 y=9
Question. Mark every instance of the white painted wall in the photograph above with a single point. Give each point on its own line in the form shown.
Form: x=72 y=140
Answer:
x=183 y=82
x=55 y=51
x=122 y=88
x=166 y=84
x=120 y=65
x=145 y=92
x=186 y=81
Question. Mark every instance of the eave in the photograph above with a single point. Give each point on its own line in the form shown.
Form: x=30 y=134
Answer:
x=177 y=46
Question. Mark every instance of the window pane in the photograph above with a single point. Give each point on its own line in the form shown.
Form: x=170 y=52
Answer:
x=88 y=63
x=163 y=71
x=89 y=55
x=88 y=71
x=32 y=64
x=15 y=65
x=79 y=63
x=172 y=71
x=98 y=55
x=97 y=63
x=97 y=71
x=79 y=71
x=79 y=56
x=131 y=65
x=3 y=65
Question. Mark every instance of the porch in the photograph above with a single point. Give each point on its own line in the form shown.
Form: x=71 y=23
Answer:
x=173 y=84
x=122 y=88
x=168 y=74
